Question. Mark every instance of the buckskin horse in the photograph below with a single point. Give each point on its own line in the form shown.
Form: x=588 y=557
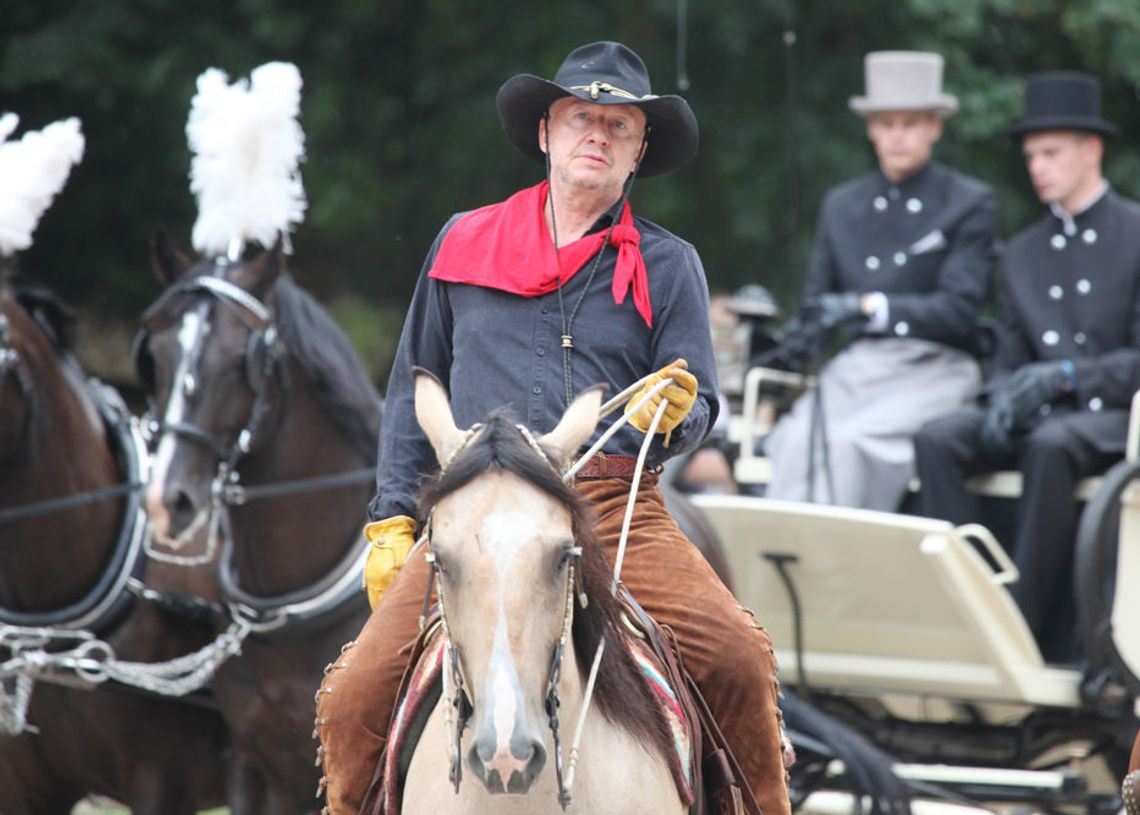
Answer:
x=524 y=598
x=70 y=527
x=264 y=428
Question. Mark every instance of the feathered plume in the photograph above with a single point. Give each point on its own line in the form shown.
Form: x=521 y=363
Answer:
x=32 y=171
x=247 y=144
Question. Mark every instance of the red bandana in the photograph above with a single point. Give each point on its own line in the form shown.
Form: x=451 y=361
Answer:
x=507 y=246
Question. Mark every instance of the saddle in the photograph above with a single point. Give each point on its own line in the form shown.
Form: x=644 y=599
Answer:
x=714 y=782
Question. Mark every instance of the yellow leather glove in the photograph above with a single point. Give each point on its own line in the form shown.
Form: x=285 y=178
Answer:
x=391 y=539
x=681 y=395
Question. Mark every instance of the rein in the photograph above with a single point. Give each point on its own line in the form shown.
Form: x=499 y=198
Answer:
x=460 y=707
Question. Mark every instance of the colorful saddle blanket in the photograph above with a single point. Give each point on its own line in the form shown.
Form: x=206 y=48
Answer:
x=424 y=685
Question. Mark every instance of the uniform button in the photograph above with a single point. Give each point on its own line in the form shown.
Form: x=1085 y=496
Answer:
x=1056 y=292
x=900 y=258
x=913 y=206
x=537 y=389
x=880 y=203
x=872 y=264
x=1089 y=236
x=1050 y=337
x=1079 y=338
x=902 y=328
x=1084 y=286
x=1096 y=403
x=1058 y=242
x=1045 y=409
x=540 y=351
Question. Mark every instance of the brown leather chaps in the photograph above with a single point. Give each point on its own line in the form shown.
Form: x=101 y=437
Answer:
x=727 y=652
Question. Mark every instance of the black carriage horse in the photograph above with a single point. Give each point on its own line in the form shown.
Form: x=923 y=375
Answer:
x=70 y=540
x=264 y=434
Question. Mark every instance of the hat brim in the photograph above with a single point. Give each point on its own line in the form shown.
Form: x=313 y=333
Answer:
x=673 y=138
x=943 y=105
x=1083 y=124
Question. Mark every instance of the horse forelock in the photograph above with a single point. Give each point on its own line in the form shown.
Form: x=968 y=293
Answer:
x=621 y=693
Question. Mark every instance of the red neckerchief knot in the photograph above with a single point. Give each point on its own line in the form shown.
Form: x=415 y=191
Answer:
x=629 y=272
x=507 y=246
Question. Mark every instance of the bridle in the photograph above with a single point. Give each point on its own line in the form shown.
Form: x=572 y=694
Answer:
x=460 y=707
x=264 y=350
x=10 y=362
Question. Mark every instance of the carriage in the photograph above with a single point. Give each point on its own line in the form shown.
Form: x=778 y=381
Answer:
x=903 y=628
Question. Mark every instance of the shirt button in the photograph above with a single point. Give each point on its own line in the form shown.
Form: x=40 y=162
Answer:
x=872 y=264
x=1089 y=236
x=1058 y=242
x=1083 y=286
x=913 y=206
x=1056 y=292
x=540 y=351
x=1079 y=338
x=900 y=258
x=1096 y=403
x=537 y=389
x=880 y=203
x=544 y=310
x=1050 y=337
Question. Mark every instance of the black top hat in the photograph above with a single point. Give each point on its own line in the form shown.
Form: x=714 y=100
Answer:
x=606 y=73
x=1062 y=100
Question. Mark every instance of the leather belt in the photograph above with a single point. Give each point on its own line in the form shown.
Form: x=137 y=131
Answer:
x=603 y=466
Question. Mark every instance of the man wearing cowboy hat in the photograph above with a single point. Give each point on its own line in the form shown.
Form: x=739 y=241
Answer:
x=901 y=263
x=528 y=302
x=1068 y=356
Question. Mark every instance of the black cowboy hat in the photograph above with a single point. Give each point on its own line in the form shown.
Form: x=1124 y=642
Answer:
x=1062 y=100
x=606 y=73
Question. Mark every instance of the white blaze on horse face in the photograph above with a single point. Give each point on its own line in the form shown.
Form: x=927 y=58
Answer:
x=503 y=535
x=190 y=334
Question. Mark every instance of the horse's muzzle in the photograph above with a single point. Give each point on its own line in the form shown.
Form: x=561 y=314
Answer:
x=519 y=767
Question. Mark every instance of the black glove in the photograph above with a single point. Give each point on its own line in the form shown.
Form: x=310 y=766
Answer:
x=1013 y=405
x=997 y=426
x=833 y=309
x=1034 y=385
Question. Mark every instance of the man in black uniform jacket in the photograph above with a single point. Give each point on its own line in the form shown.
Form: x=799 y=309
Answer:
x=1068 y=355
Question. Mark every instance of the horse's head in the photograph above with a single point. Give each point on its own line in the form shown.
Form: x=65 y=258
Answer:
x=208 y=354
x=503 y=540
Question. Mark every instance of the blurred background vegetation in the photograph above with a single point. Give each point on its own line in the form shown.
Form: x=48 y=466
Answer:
x=398 y=111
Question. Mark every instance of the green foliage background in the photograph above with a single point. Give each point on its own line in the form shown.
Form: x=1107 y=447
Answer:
x=398 y=111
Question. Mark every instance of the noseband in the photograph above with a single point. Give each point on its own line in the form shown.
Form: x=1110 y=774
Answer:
x=460 y=707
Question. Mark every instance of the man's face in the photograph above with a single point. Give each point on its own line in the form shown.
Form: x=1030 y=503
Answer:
x=592 y=146
x=903 y=140
x=1063 y=166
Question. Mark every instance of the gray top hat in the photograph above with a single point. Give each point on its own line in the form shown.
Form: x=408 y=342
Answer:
x=903 y=80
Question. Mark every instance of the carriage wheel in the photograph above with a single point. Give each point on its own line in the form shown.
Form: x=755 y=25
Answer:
x=1108 y=676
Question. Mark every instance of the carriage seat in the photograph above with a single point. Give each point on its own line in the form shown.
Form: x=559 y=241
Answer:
x=885 y=603
x=754 y=468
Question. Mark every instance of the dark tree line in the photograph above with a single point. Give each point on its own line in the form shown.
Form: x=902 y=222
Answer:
x=398 y=111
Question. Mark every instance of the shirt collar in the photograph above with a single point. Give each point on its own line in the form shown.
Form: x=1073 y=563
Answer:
x=1068 y=219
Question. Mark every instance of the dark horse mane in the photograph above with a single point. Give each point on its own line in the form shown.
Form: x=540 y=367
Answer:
x=337 y=378
x=621 y=693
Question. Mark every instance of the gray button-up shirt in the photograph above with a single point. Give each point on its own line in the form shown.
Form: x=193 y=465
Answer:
x=492 y=348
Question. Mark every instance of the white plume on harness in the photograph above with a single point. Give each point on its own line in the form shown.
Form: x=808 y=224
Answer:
x=247 y=145
x=33 y=170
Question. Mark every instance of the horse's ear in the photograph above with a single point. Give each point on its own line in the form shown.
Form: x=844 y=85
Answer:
x=433 y=411
x=576 y=425
x=167 y=260
x=262 y=273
